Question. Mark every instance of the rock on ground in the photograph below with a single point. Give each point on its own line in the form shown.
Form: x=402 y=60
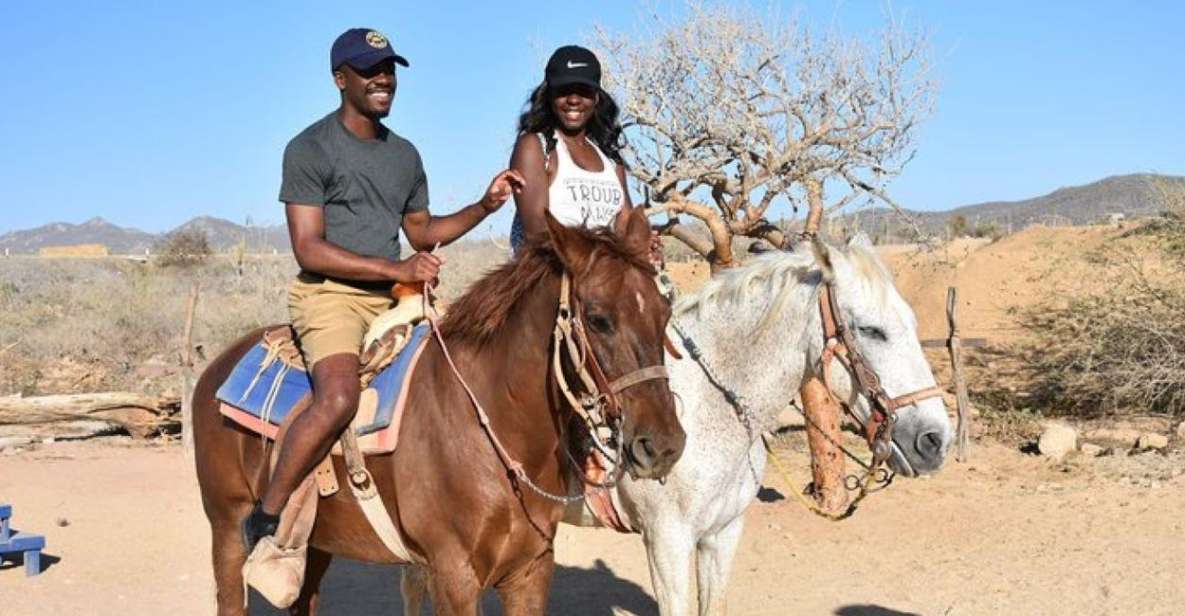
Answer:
x=1151 y=440
x=1057 y=440
x=1125 y=436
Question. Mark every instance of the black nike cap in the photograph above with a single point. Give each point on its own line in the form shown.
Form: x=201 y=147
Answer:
x=572 y=64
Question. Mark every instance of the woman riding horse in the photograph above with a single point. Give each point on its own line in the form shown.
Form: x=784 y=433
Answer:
x=568 y=150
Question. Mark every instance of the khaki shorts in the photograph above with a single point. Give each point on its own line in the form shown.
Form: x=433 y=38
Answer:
x=331 y=317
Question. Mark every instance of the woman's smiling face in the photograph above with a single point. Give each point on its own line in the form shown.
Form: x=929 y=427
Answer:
x=573 y=105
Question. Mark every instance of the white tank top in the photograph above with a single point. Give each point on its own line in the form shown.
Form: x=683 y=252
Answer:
x=577 y=197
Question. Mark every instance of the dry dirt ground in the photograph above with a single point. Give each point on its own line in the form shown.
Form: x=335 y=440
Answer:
x=1006 y=533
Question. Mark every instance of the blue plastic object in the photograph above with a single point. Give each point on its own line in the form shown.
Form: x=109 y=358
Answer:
x=13 y=542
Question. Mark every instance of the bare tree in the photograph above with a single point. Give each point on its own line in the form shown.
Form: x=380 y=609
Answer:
x=728 y=111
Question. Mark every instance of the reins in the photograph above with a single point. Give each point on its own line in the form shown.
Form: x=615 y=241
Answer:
x=838 y=344
x=597 y=405
x=882 y=416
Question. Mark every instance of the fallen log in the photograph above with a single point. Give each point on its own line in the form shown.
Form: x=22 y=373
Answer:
x=59 y=430
x=141 y=415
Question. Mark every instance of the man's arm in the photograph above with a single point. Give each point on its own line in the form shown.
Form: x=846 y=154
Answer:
x=425 y=231
x=306 y=229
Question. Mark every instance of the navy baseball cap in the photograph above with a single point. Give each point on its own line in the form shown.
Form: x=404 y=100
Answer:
x=573 y=64
x=362 y=48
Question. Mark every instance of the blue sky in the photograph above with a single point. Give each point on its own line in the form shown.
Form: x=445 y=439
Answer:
x=148 y=114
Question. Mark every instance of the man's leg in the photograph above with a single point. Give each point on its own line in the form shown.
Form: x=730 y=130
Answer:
x=309 y=438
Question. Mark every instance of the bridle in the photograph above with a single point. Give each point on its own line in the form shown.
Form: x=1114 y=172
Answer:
x=839 y=344
x=597 y=404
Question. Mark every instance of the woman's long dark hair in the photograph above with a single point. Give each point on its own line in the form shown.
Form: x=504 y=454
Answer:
x=603 y=128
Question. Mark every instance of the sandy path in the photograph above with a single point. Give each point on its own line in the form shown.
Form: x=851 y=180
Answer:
x=1008 y=533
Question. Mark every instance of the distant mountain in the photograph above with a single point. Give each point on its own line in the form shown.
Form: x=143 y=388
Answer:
x=1131 y=195
x=120 y=240
x=222 y=235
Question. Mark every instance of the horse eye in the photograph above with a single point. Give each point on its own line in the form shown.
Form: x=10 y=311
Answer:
x=874 y=333
x=599 y=323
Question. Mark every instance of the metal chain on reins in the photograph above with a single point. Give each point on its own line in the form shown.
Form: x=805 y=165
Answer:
x=866 y=483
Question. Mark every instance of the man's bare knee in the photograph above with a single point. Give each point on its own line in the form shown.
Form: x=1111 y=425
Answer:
x=336 y=389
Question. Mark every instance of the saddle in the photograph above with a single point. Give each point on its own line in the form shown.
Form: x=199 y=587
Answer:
x=270 y=387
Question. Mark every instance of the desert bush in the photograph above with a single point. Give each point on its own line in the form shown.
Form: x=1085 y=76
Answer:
x=958 y=225
x=97 y=322
x=69 y=325
x=1121 y=350
x=183 y=248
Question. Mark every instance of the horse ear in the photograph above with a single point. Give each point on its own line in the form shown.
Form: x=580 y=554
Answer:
x=860 y=240
x=637 y=233
x=823 y=258
x=573 y=248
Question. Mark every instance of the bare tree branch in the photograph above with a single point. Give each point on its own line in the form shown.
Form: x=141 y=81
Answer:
x=742 y=109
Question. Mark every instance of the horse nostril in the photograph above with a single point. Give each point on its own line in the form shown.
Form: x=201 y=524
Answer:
x=930 y=445
x=643 y=452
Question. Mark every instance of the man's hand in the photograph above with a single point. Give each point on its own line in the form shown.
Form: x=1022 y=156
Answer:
x=503 y=185
x=420 y=267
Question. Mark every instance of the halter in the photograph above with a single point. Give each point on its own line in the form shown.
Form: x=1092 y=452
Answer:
x=840 y=345
x=599 y=401
x=597 y=405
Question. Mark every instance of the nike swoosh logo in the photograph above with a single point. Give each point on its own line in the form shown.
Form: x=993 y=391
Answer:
x=572 y=64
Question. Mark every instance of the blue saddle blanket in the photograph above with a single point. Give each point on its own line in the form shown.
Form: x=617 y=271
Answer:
x=271 y=392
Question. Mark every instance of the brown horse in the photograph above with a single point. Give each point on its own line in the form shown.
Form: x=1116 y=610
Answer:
x=461 y=513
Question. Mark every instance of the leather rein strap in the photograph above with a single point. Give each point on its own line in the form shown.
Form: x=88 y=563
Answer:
x=569 y=336
x=599 y=403
x=839 y=344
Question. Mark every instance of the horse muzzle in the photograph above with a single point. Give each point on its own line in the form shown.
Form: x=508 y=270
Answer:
x=653 y=456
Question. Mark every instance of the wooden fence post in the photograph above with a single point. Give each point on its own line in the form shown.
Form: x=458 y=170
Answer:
x=187 y=371
x=956 y=364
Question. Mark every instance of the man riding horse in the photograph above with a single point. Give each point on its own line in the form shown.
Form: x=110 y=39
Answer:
x=349 y=185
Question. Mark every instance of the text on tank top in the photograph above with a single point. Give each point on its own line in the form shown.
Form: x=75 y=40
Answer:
x=581 y=198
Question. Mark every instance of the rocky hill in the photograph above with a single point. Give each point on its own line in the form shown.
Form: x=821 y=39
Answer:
x=120 y=240
x=220 y=233
x=1131 y=195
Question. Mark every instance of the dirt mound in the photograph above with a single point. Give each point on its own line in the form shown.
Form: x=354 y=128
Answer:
x=995 y=280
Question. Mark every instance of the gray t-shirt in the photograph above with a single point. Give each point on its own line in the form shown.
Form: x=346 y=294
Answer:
x=365 y=187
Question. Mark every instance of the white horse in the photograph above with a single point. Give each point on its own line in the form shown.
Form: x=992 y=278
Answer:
x=759 y=330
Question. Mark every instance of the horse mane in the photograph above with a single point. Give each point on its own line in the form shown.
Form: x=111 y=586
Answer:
x=483 y=311
x=773 y=270
x=779 y=274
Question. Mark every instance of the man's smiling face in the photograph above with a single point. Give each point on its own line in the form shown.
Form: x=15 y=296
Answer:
x=369 y=91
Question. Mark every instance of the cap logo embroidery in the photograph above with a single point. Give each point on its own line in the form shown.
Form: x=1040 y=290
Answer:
x=376 y=39
x=572 y=64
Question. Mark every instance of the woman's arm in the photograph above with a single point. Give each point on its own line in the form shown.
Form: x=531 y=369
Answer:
x=623 y=217
x=531 y=202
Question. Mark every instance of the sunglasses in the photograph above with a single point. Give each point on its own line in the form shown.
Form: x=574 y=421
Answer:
x=579 y=89
x=386 y=67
